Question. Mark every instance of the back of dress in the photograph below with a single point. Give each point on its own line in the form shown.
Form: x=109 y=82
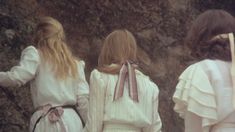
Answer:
x=123 y=114
x=47 y=89
x=219 y=74
x=203 y=97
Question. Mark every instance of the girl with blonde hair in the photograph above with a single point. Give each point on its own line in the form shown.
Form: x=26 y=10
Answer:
x=57 y=80
x=122 y=98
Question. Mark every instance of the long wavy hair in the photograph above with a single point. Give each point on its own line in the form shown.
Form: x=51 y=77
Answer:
x=119 y=46
x=206 y=26
x=50 y=41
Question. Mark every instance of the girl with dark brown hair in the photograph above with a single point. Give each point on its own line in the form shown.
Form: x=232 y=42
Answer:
x=205 y=93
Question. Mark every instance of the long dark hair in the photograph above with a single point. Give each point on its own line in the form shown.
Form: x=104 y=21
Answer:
x=204 y=28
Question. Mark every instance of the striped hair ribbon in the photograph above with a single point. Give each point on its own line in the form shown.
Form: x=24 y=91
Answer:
x=231 y=41
x=230 y=36
x=127 y=72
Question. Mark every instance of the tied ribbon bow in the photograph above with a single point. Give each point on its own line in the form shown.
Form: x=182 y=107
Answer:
x=127 y=71
x=230 y=36
x=54 y=115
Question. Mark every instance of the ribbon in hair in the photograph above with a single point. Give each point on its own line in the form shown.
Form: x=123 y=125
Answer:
x=127 y=72
x=231 y=40
x=230 y=36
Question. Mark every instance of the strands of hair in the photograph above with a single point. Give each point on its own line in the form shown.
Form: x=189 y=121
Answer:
x=119 y=46
x=50 y=40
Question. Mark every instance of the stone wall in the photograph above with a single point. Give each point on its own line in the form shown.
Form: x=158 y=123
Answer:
x=158 y=25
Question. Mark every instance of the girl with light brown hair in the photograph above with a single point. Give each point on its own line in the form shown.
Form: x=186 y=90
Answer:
x=122 y=98
x=57 y=80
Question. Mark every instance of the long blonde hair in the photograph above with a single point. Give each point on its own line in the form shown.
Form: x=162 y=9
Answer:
x=50 y=40
x=119 y=46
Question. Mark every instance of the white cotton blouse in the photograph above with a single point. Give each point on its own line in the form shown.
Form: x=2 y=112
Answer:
x=122 y=115
x=47 y=89
x=203 y=97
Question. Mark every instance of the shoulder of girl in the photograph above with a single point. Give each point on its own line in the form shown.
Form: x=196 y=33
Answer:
x=142 y=76
x=137 y=72
x=198 y=64
x=192 y=66
x=30 y=48
x=95 y=72
x=80 y=63
x=30 y=51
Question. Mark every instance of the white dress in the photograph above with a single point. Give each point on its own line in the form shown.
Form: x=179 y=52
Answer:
x=46 y=89
x=203 y=97
x=122 y=115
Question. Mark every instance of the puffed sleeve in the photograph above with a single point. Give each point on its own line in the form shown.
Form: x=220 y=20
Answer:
x=82 y=92
x=195 y=94
x=156 y=121
x=24 y=72
x=96 y=103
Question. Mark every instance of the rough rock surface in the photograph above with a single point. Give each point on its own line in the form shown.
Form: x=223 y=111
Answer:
x=158 y=25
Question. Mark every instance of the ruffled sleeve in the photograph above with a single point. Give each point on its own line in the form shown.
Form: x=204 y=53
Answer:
x=96 y=103
x=195 y=94
x=82 y=91
x=24 y=72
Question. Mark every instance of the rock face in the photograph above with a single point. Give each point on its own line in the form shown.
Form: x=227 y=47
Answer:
x=158 y=25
